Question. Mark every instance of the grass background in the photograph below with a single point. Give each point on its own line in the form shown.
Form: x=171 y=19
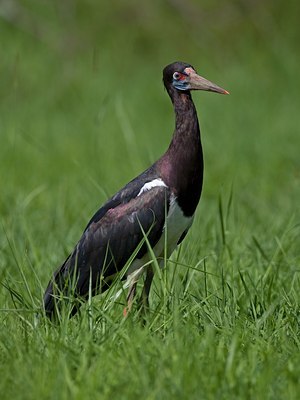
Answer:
x=83 y=111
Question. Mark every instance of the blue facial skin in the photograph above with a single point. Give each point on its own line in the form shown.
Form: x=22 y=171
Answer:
x=180 y=85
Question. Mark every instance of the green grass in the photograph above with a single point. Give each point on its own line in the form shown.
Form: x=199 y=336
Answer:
x=82 y=112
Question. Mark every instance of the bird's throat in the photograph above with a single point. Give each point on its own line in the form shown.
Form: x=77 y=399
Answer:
x=187 y=132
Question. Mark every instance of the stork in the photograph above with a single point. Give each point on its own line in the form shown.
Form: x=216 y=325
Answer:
x=159 y=203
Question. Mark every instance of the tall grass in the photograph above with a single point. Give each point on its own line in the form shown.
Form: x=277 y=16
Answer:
x=82 y=112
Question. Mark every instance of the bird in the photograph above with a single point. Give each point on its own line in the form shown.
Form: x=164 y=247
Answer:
x=155 y=209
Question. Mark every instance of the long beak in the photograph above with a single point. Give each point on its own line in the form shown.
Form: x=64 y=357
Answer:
x=199 y=83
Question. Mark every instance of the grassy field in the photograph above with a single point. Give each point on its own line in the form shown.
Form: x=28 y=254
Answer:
x=83 y=111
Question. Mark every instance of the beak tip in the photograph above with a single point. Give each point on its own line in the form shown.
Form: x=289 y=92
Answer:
x=226 y=92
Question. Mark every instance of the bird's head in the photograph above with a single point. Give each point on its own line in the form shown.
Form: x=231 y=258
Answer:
x=183 y=77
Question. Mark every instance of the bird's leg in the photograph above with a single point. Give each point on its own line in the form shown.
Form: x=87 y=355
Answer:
x=144 y=299
x=130 y=297
x=131 y=283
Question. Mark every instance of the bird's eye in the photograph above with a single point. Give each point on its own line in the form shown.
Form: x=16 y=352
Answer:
x=176 y=76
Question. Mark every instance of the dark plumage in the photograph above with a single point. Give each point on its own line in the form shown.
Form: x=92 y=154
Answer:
x=170 y=188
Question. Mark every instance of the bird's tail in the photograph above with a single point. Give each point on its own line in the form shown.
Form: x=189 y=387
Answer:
x=58 y=293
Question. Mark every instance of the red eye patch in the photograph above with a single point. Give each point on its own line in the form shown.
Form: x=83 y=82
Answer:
x=181 y=77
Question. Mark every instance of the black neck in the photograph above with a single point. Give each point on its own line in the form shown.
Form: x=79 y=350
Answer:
x=182 y=164
x=186 y=124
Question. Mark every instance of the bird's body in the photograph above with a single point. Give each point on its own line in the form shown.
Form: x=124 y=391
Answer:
x=158 y=204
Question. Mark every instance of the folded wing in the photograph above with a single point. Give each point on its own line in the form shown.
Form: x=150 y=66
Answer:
x=111 y=237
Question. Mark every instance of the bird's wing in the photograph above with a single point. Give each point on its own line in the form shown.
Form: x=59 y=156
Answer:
x=107 y=243
x=125 y=195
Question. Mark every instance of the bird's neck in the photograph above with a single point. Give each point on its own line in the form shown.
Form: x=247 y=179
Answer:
x=182 y=164
x=186 y=123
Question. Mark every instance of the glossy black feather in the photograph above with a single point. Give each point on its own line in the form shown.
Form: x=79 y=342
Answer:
x=124 y=195
x=108 y=241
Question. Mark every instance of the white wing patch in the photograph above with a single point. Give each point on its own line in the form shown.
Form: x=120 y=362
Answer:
x=152 y=184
